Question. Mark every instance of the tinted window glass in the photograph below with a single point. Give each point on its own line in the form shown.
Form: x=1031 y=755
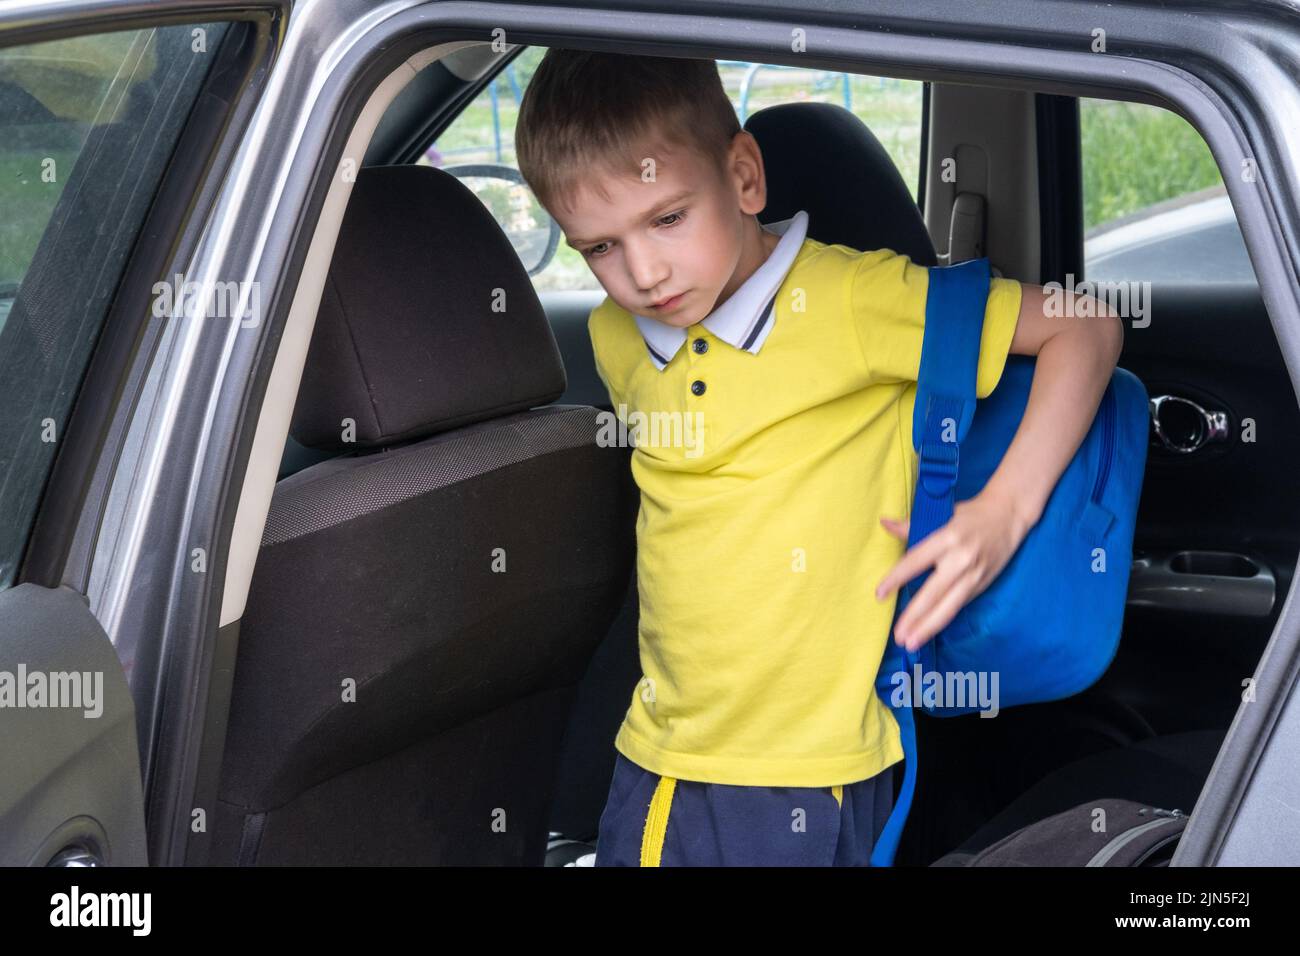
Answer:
x=87 y=128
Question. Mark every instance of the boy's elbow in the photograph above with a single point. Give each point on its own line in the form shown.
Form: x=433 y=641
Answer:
x=1115 y=328
x=1111 y=332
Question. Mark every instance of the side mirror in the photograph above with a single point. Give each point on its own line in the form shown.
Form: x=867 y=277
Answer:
x=530 y=228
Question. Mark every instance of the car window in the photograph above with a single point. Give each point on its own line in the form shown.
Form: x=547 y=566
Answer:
x=1154 y=204
x=484 y=133
x=87 y=126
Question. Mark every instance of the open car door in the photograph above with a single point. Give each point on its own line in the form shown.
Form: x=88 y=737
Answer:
x=71 y=794
x=110 y=117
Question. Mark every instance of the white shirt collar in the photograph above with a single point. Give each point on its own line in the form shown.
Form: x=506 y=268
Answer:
x=746 y=318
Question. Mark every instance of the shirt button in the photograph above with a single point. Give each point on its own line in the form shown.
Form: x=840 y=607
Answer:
x=700 y=346
x=697 y=387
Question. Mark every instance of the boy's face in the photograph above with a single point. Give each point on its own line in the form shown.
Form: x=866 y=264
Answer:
x=687 y=236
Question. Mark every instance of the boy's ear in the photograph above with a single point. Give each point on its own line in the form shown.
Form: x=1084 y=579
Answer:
x=745 y=171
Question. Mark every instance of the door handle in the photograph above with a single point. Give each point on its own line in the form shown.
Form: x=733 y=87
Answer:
x=76 y=856
x=1203 y=582
x=1183 y=426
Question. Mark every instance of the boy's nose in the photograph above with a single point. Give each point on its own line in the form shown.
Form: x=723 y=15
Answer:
x=648 y=271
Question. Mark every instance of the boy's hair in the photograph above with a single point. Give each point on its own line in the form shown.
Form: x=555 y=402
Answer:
x=583 y=110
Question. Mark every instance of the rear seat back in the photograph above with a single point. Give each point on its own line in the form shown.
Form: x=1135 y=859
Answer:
x=425 y=602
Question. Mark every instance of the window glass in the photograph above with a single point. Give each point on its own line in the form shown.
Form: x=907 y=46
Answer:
x=484 y=132
x=87 y=127
x=1155 y=206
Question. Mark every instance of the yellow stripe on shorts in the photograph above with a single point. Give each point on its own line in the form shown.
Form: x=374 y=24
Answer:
x=838 y=792
x=656 y=822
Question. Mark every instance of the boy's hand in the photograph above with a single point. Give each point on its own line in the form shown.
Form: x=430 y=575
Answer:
x=1074 y=364
x=967 y=554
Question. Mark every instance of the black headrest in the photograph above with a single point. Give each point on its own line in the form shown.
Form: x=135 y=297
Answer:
x=427 y=322
x=821 y=158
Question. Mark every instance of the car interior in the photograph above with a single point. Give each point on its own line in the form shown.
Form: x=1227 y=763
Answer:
x=439 y=640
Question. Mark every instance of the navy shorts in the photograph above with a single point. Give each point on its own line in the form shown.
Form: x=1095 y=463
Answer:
x=661 y=821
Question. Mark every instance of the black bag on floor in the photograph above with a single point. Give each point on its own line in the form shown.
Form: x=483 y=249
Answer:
x=1109 y=832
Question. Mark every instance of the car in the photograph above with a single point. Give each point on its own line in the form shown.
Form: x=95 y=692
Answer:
x=1192 y=238
x=271 y=630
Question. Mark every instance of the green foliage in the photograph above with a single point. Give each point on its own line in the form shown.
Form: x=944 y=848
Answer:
x=1136 y=155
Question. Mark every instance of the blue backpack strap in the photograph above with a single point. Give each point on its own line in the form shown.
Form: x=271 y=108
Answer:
x=945 y=388
x=945 y=406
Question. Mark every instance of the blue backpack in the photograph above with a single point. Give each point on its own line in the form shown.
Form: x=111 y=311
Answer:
x=1048 y=626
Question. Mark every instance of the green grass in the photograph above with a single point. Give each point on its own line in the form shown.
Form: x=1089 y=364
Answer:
x=1135 y=155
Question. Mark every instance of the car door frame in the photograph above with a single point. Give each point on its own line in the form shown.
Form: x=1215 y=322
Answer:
x=82 y=798
x=333 y=57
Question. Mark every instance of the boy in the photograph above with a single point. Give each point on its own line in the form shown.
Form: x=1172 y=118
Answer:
x=766 y=587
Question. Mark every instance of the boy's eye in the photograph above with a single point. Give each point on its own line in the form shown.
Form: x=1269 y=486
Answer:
x=672 y=219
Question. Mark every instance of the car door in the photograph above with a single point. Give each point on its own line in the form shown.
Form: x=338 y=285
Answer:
x=1218 y=530
x=108 y=125
x=294 y=149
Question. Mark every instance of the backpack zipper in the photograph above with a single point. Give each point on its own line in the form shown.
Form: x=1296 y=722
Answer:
x=1107 y=442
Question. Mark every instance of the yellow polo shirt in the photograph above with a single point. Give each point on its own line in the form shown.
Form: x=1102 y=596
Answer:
x=782 y=435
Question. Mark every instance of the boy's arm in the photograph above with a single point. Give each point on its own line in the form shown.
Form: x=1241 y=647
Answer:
x=1075 y=359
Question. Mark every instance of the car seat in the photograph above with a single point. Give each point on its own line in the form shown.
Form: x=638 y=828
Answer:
x=425 y=602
